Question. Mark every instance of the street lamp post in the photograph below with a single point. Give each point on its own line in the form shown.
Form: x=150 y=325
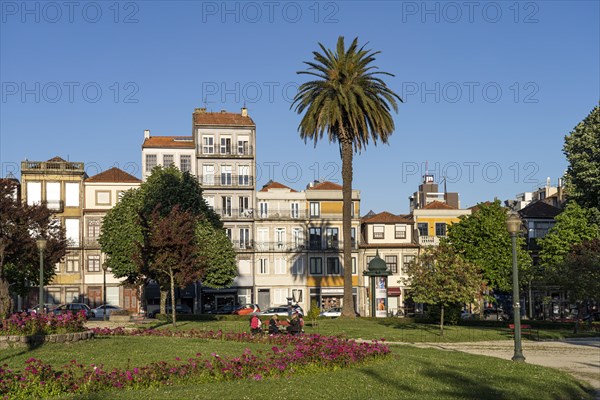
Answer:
x=104 y=268
x=513 y=224
x=41 y=245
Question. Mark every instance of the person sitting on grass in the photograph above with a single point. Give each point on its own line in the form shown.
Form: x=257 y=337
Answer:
x=294 y=327
x=255 y=325
x=273 y=325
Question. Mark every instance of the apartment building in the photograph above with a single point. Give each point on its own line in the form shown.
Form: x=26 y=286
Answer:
x=102 y=192
x=58 y=184
x=392 y=237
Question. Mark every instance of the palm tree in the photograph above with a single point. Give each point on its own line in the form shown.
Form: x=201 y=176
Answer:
x=352 y=104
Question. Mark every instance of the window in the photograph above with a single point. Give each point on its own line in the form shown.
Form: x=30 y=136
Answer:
x=244 y=238
x=93 y=228
x=151 y=161
x=333 y=266
x=316 y=266
x=400 y=232
x=243 y=175
x=331 y=238
x=102 y=197
x=185 y=163
x=226 y=171
x=93 y=263
x=210 y=202
x=392 y=263
x=294 y=210
x=353 y=237
x=228 y=232
x=208 y=145
x=407 y=260
x=262 y=239
x=72 y=231
x=354 y=271
x=226 y=206
x=440 y=229
x=280 y=267
x=298 y=266
x=379 y=232
x=263 y=209
x=298 y=238
x=263 y=266
x=352 y=210
x=72 y=295
x=243 y=146
x=34 y=193
x=280 y=296
x=72 y=194
x=315 y=209
x=225 y=145
x=539 y=229
x=243 y=206
x=208 y=174
x=53 y=195
x=280 y=238
x=72 y=264
x=314 y=237
x=168 y=160
x=423 y=228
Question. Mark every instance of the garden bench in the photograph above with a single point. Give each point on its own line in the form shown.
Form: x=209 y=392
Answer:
x=525 y=330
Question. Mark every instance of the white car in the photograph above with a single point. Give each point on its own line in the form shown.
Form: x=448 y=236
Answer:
x=332 y=312
x=99 y=311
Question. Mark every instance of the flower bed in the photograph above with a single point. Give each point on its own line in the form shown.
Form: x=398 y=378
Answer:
x=23 y=324
x=288 y=355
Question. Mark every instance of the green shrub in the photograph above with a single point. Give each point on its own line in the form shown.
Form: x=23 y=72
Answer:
x=314 y=311
x=451 y=314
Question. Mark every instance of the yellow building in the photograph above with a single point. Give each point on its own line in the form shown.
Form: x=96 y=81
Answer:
x=432 y=221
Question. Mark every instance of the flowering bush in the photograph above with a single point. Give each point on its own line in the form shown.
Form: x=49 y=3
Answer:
x=288 y=355
x=42 y=324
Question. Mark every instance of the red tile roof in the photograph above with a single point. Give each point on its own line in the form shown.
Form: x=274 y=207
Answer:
x=387 y=218
x=221 y=118
x=113 y=175
x=326 y=186
x=173 y=142
x=438 y=205
x=274 y=185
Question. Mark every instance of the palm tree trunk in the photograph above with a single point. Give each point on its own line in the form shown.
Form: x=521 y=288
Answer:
x=348 y=306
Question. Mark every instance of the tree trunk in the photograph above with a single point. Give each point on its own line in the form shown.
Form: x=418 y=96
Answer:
x=442 y=321
x=163 y=301
x=5 y=299
x=579 y=311
x=173 y=308
x=348 y=306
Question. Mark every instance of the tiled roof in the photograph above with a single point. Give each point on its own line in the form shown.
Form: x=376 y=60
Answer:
x=221 y=118
x=386 y=218
x=275 y=185
x=174 y=142
x=326 y=186
x=113 y=175
x=539 y=209
x=438 y=205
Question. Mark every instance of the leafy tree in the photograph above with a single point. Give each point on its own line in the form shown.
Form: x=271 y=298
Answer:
x=441 y=277
x=573 y=226
x=582 y=148
x=482 y=239
x=218 y=256
x=348 y=100
x=172 y=250
x=19 y=256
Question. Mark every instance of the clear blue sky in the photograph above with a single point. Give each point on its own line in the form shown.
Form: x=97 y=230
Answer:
x=490 y=88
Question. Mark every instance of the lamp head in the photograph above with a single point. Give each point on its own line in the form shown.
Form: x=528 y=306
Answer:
x=513 y=223
x=41 y=243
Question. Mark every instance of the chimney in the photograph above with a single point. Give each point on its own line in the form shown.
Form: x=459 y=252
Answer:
x=244 y=112
x=200 y=110
x=147 y=134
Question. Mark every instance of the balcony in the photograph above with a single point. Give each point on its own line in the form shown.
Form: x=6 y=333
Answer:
x=280 y=246
x=228 y=181
x=273 y=215
x=228 y=152
x=52 y=167
x=430 y=240
x=235 y=213
x=243 y=245
x=56 y=206
x=91 y=243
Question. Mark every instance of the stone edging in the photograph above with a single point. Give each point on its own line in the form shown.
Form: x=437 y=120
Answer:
x=33 y=340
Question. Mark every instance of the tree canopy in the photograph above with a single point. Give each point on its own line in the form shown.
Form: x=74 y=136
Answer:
x=348 y=100
x=582 y=148
x=483 y=239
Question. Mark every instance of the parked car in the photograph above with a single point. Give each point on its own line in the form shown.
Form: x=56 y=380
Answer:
x=492 y=314
x=332 y=312
x=282 y=310
x=99 y=311
x=247 y=309
x=179 y=309
x=47 y=308
x=74 y=308
x=225 y=309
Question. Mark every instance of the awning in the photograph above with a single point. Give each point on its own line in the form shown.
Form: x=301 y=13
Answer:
x=394 y=291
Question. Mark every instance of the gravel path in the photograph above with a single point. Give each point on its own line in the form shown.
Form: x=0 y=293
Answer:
x=578 y=357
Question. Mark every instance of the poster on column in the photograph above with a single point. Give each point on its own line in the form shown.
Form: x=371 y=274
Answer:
x=380 y=298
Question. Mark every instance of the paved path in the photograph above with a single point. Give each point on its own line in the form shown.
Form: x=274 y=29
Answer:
x=578 y=357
